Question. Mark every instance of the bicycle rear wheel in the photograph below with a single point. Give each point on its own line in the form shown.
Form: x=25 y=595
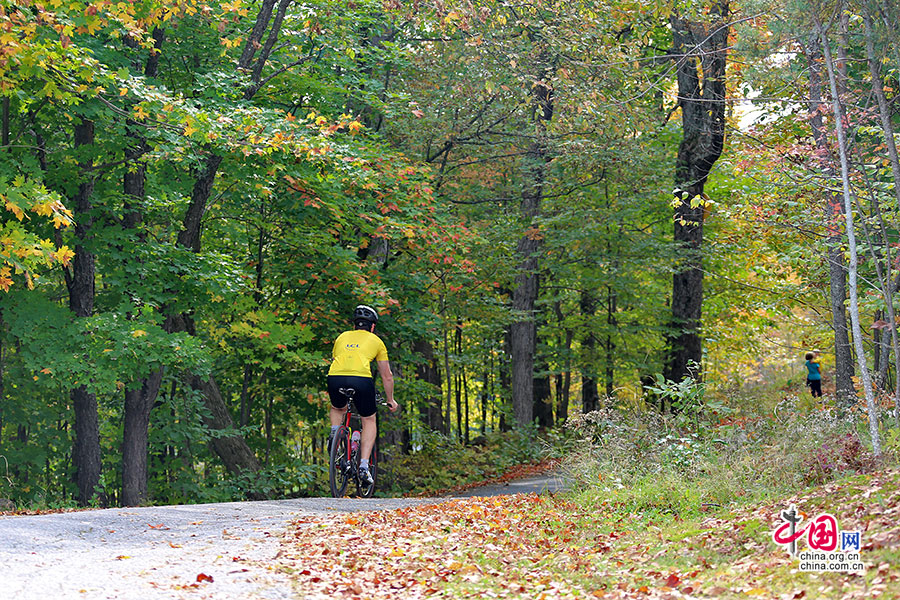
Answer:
x=369 y=491
x=339 y=462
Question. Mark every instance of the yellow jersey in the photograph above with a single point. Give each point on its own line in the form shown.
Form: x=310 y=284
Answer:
x=354 y=352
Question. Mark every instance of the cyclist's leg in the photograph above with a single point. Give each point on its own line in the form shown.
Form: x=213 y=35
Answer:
x=338 y=400
x=367 y=438
x=365 y=404
x=338 y=406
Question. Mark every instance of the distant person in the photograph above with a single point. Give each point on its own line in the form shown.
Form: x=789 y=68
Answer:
x=814 y=374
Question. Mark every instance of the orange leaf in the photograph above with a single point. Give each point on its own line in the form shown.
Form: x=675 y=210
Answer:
x=204 y=577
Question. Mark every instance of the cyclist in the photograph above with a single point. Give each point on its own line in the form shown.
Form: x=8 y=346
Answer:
x=352 y=356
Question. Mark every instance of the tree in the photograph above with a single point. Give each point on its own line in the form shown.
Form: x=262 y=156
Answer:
x=851 y=242
x=700 y=51
x=86 y=452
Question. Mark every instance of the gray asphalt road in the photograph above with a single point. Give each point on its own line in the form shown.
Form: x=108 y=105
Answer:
x=537 y=485
x=160 y=552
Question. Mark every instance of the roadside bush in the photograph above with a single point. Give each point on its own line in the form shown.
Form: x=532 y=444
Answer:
x=643 y=460
x=441 y=462
x=838 y=454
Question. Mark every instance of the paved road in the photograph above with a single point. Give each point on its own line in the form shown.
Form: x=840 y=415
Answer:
x=537 y=485
x=158 y=552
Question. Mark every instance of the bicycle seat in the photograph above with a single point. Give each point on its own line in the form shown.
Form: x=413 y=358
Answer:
x=348 y=392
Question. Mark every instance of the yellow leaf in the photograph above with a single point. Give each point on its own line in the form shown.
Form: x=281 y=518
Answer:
x=138 y=333
x=60 y=220
x=14 y=208
x=43 y=209
x=64 y=255
x=123 y=91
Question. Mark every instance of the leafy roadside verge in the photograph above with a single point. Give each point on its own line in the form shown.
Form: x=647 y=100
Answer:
x=575 y=547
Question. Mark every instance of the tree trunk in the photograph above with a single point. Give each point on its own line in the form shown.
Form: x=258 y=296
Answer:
x=458 y=377
x=563 y=378
x=611 y=324
x=543 y=409
x=232 y=449
x=430 y=374
x=590 y=396
x=884 y=113
x=86 y=451
x=135 y=439
x=448 y=377
x=4 y=121
x=700 y=53
x=523 y=331
x=834 y=214
x=505 y=368
x=484 y=402
x=139 y=400
x=465 y=385
x=246 y=395
x=872 y=409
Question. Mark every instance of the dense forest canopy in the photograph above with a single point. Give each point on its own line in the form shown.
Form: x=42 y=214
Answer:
x=555 y=206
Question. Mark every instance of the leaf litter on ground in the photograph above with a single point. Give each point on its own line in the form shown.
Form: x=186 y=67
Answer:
x=560 y=546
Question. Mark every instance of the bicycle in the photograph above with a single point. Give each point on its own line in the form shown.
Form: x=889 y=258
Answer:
x=343 y=462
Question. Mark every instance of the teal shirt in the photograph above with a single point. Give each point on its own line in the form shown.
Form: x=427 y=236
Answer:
x=813 y=369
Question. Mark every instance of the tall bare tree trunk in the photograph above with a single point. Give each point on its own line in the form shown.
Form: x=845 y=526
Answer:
x=885 y=113
x=523 y=331
x=834 y=213
x=611 y=324
x=86 y=452
x=135 y=439
x=564 y=378
x=865 y=379
x=700 y=53
x=590 y=396
x=430 y=374
x=140 y=399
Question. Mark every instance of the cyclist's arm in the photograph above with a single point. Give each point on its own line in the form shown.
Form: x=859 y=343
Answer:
x=387 y=379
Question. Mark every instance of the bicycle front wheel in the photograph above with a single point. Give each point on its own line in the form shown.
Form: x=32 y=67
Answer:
x=339 y=462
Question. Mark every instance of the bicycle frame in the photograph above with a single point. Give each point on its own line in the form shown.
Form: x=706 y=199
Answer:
x=344 y=461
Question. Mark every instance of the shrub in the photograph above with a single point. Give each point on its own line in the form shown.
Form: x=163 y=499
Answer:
x=441 y=462
x=837 y=455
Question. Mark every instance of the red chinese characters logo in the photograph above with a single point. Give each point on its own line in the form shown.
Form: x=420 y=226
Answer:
x=823 y=533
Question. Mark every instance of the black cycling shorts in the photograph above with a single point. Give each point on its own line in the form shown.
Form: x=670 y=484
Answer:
x=364 y=398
